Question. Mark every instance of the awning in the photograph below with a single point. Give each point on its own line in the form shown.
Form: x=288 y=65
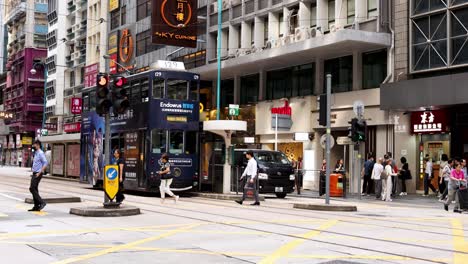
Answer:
x=62 y=138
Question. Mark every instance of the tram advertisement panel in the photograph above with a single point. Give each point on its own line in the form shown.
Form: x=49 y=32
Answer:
x=131 y=155
x=92 y=158
x=134 y=118
x=175 y=114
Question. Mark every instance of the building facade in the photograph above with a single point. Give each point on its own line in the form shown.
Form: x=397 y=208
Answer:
x=26 y=23
x=66 y=58
x=277 y=54
x=427 y=93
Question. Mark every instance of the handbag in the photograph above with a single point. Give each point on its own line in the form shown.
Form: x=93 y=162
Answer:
x=166 y=176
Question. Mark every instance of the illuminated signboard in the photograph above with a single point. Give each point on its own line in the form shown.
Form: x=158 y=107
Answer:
x=113 y=4
x=429 y=122
x=174 y=22
x=6 y=115
x=175 y=118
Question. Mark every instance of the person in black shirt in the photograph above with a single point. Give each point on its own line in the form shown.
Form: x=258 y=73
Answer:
x=118 y=160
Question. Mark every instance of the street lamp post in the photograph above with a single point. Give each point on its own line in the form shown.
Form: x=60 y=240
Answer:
x=33 y=71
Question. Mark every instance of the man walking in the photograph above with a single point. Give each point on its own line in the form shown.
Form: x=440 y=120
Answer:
x=428 y=178
x=367 y=173
x=377 y=177
x=250 y=173
x=38 y=168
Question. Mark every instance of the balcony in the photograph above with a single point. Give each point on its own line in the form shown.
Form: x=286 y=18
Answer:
x=71 y=6
x=70 y=34
x=16 y=13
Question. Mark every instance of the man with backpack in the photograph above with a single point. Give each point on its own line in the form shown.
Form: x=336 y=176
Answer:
x=367 y=174
x=251 y=173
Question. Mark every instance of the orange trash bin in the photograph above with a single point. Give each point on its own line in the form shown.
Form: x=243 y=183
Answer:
x=336 y=185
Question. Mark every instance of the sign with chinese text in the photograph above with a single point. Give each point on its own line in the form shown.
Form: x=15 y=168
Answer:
x=72 y=127
x=76 y=105
x=113 y=4
x=429 y=122
x=90 y=75
x=18 y=141
x=132 y=153
x=6 y=115
x=111 y=180
x=174 y=22
x=26 y=141
x=51 y=127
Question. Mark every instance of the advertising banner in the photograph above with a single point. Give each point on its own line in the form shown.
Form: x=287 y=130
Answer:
x=174 y=23
x=76 y=105
x=92 y=151
x=132 y=153
x=18 y=141
x=174 y=114
x=57 y=159
x=73 y=167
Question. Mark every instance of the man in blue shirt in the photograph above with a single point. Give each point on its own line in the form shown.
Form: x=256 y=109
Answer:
x=38 y=168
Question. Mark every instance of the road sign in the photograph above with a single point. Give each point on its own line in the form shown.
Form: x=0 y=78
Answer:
x=111 y=180
x=323 y=141
x=344 y=141
x=233 y=110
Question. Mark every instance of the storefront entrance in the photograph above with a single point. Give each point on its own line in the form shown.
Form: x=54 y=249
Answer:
x=433 y=145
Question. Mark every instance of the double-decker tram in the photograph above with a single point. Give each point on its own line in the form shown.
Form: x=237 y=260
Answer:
x=163 y=117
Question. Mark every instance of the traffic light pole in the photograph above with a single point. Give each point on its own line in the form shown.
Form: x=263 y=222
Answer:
x=107 y=150
x=327 y=176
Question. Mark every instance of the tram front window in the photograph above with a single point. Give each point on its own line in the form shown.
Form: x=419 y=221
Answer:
x=158 y=141
x=176 y=142
x=177 y=89
x=190 y=142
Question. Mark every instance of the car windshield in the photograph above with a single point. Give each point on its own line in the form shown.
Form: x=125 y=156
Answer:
x=272 y=157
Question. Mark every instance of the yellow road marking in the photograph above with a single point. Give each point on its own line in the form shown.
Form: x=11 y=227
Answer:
x=214 y=232
x=125 y=246
x=459 y=242
x=285 y=249
x=60 y=232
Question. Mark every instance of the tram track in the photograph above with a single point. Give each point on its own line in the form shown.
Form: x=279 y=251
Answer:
x=97 y=198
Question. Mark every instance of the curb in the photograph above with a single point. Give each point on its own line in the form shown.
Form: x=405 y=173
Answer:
x=321 y=207
x=56 y=200
x=49 y=177
x=228 y=197
x=100 y=211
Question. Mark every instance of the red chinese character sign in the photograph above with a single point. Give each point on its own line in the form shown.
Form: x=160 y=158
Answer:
x=174 y=22
x=76 y=105
x=429 y=122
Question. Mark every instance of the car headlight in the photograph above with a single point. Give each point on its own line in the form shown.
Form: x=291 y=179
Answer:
x=263 y=176
x=292 y=177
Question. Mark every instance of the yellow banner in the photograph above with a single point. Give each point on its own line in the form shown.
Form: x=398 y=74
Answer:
x=113 y=4
x=26 y=141
x=111 y=180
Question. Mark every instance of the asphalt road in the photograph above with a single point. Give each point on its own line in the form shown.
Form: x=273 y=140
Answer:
x=198 y=230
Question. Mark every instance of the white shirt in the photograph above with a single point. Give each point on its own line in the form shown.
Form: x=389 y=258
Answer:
x=389 y=171
x=377 y=171
x=429 y=168
x=251 y=169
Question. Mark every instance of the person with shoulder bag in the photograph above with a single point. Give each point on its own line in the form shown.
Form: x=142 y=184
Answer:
x=404 y=174
x=166 y=179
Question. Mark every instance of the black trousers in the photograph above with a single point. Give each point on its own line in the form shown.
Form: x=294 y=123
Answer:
x=249 y=185
x=403 y=185
x=34 y=189
x=428 y=184
x=367 y=185
x=120 y=196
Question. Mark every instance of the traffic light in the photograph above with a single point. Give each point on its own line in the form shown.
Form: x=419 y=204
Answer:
x=357 y=131
x=323 y=110
x=102 y=92
x=119 y=95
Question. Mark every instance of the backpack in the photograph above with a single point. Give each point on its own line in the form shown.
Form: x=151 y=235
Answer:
x=383 y=175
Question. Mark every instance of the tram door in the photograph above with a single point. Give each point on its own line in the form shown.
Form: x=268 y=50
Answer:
x=134 y=149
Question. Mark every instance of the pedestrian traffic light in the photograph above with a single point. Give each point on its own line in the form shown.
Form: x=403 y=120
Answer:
x=357 y=131
x=119 y=95
x=323 y=110
x=102 y=92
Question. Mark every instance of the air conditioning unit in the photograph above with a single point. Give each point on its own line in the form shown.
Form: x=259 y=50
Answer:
x=214 y=8
x=235 y=2
x=287 y=40
x=333 y=28
x=301 y=34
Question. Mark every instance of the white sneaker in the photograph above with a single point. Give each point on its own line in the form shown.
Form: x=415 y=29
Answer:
x=406 y=193
x=162 y=200
x=176 y=198
x=402 y=193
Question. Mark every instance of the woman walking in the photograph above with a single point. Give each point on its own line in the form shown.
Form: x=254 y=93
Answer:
x=444 y=180
x=456 y=178
x=404 y=174
x=166 y=179
x=387 y=192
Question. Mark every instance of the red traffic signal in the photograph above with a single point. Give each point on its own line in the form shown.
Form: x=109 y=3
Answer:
x=119 y=81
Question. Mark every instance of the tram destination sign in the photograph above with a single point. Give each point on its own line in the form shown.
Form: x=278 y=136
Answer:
x=174 y=22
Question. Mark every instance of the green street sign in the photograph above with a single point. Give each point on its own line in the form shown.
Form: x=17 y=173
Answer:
x=233 y=110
